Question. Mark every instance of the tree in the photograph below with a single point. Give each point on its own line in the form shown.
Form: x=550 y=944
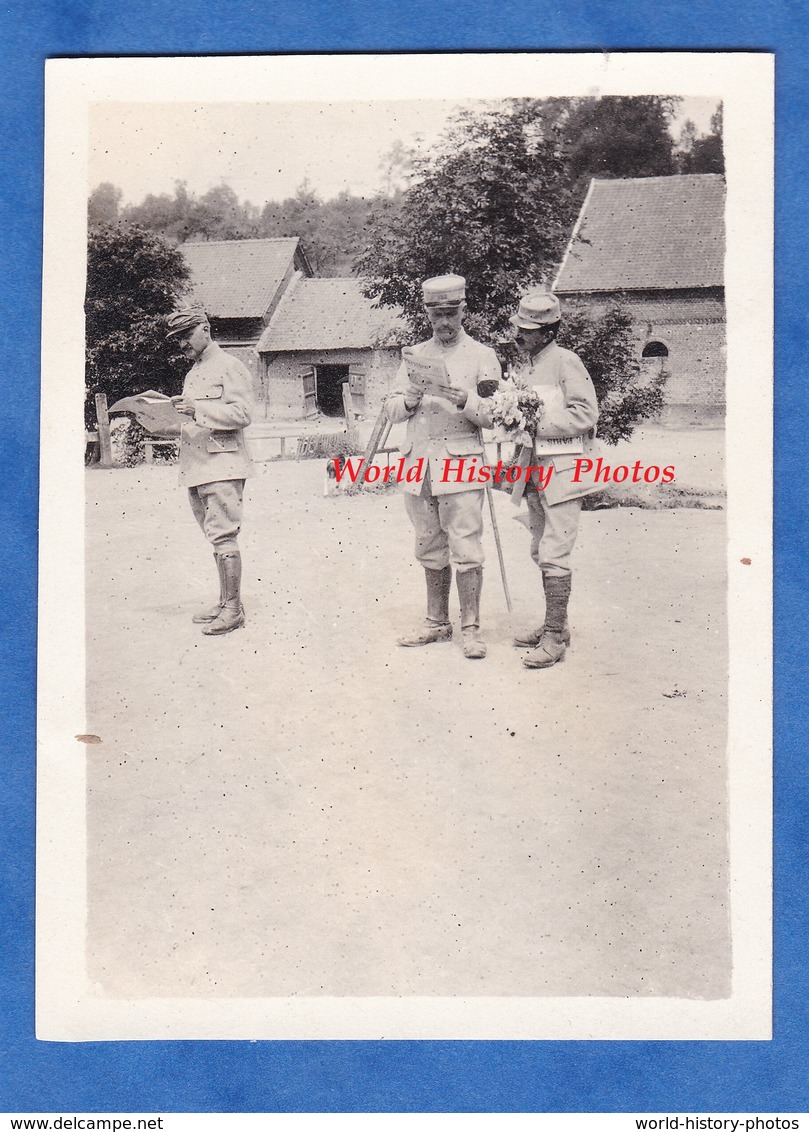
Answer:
x=490 y=205
x=619 y=136
x=165 y=215
x=103 y=205
x=134 y=279
x=330 y=231
x=703 y=154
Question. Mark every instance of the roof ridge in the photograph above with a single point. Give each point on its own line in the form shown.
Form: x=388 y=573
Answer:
x=333 y=279
x=662 y=178
x=249 y=240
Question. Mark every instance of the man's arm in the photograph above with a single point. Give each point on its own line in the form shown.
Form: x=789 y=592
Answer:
x=577 y=413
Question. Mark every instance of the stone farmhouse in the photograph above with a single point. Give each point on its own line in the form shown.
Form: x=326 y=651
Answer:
x=301 y=338
x=324 y=333
x=240 y=283
x=657 y=245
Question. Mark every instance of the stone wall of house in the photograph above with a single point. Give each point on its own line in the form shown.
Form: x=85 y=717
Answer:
x=691 y=325
x=280 y=384
x=248 y=356
x=239 y=336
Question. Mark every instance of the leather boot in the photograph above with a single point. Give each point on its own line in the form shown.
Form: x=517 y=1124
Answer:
x=206 y=615
x=231 y=615
x=436 y=626
x=470 y=583
x=551 y=648
x=531 y=637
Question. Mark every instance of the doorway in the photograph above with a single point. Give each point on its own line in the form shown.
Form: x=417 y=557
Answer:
x=329 y=381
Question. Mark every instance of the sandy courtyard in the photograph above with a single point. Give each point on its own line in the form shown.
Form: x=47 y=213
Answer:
x=302 y=808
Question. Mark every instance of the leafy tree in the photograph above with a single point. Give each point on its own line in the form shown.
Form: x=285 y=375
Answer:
x=218 y=215
x=619 y=136
x=165 y=215
x=490 y=205
x=704 y=153
x=103 y=205
x=330 y=231
x=134 y=279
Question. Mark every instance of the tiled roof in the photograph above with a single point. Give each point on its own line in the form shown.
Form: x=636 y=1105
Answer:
x=329 y=314
x=238 y=278
x=648 y=233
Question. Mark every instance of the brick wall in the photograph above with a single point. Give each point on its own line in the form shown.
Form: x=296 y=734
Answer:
x=692 y=327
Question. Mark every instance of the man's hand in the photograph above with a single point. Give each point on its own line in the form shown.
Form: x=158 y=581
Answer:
x=454 y=394
x=184 y=406
x=412 y=396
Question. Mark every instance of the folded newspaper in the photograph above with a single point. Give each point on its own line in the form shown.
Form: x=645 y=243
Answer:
x=428 y=374
x=154 y=411
x=558 y=445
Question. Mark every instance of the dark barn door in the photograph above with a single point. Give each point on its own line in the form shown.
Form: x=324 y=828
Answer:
x=329 y=389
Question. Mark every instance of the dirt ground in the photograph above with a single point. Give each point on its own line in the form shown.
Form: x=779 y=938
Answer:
x=302 y=808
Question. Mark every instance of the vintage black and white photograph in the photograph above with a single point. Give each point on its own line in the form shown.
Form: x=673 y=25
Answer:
x=405 y=568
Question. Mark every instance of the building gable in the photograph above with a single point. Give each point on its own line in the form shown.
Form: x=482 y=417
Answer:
x=242 y=279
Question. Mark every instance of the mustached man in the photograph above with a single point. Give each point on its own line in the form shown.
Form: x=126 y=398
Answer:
x=570 y=410
x=216 y=402
x=444 y=424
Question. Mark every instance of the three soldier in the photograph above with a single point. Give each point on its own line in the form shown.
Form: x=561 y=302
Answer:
x=442 y=424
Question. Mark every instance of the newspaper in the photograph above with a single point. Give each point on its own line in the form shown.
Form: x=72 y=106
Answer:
x=154 y=411
x=428 y=374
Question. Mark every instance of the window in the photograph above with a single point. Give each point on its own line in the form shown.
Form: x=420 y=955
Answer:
x=655 y=350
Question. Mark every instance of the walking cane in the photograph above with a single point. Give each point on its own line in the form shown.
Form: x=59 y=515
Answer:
x=495 y=530
x=496 y=533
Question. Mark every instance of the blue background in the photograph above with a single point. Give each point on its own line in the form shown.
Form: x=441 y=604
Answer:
x=394 y=1076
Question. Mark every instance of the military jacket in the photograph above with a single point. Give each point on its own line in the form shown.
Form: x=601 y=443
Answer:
x=212 y=444
x=570 y=409
x=437 y=431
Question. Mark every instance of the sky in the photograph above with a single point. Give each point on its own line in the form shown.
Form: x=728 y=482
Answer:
x=264 y=151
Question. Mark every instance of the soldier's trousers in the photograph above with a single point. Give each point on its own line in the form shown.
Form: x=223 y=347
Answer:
x=217 y=508
x=554 y=529
x=449 y=529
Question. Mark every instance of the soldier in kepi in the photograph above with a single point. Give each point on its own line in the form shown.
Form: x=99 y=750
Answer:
x=444 y=425
x=570 y=410
x=214 y=464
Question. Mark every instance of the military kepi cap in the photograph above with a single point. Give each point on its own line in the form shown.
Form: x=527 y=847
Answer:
x=186 y=318
x=444 y=291
x=537 y=308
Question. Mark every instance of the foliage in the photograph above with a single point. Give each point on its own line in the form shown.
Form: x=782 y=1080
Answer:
x=704 y=153
x=126 y=441
x=216 y=215
x=608 y=349
x=103 y=206
x=330 y=231
x=496 y=204
x=133 y=280
x=618 y=136
x=488 y=205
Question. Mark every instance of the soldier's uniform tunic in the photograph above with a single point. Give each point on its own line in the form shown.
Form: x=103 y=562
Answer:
x=447 y=515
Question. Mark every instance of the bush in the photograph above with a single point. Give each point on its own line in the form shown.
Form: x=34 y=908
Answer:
x=126 y=441
x=607 y=346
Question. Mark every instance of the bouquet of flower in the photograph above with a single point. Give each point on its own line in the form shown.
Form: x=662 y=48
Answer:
x=515 y=414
